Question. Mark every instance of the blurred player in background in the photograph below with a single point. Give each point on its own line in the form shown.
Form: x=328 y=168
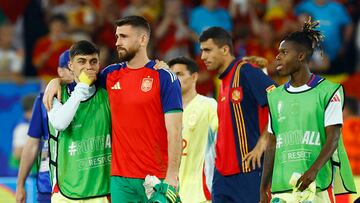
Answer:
x=199 y=132
x=37 y=144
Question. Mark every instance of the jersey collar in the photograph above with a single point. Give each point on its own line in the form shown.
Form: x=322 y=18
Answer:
x=228 y=69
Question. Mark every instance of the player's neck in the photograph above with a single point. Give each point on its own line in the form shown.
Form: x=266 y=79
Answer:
x=227 y=61
x=139 y=60
x=188 y=96
x=301 y=77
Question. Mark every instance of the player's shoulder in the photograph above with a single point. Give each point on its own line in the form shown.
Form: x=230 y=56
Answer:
x=206 y=101
x=247 y=68
x=167 y=75
x=113 y=67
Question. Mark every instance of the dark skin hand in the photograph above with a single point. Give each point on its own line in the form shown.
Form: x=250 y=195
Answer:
x=268 y=168
x=332 y=139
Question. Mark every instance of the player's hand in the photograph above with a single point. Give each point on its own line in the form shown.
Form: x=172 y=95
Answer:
x=306 y=179
x=173 y=181
x=264 y=198
x=91 y=74
x=253 y=158
x=161 y=65
x=20 y=195
x=52 y=89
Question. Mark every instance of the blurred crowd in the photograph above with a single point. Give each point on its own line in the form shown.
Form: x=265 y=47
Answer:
x=34 y=32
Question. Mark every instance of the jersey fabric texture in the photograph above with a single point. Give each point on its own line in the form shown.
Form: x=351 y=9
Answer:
x=81 y=154
x=243 y=91
x=199 y=132
x=139 y=98
x=298 y=125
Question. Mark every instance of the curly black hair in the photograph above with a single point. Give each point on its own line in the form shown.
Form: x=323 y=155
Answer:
x=308 y=37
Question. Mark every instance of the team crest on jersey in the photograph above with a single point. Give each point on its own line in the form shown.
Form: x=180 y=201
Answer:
x=146 y=84
x=270 y=88
x=236 y=94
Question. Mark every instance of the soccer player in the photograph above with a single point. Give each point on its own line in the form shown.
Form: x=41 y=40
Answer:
x=243 y=92
x=37 y=144
x=146 y=114
x=305 y=127
x=199 y=131
x=80 y=142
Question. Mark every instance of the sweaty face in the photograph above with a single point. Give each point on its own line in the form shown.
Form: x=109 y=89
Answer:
x=185 y=77
x=211 y=54
x=81 y=62
x=287 y=60
x=127 y=42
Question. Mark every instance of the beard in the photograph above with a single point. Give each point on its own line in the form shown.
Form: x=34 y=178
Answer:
x=126 y=55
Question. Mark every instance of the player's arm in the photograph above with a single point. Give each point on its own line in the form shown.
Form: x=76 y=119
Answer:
x=259 y=84
x=173 y=124
x=253 y=158
x=61 y=115
x=28 y=157
x=171 y=101
x=268 y=168
x=53 y=88
x=332 y=139
x=31 y=148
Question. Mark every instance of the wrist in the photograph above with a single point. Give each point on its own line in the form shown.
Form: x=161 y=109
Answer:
x=20 y=183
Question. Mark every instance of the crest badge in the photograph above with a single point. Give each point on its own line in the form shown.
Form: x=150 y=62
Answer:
x=146 y=84
x=236 y=95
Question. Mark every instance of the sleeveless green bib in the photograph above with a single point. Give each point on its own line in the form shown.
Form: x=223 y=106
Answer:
x=298 y=125
x=81 y=154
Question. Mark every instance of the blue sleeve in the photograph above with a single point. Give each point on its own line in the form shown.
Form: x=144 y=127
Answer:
x=170 y=91
x=104 y=73
x=36 y=122
x=257 y=81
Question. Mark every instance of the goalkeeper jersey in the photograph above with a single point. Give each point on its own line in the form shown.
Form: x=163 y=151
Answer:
x=139 y=99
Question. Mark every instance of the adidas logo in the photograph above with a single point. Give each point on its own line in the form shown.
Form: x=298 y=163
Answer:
x=116 y=86
x=335 y=98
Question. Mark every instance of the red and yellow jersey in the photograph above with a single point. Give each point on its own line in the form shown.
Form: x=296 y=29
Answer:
x=139 y=98
x=241 y=98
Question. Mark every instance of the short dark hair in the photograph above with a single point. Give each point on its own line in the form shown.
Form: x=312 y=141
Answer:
x=134 y=21
x=83 y=47
x=219 y=35
x=190 y=64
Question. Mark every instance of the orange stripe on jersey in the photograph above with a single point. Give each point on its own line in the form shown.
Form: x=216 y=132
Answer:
x=239 y=120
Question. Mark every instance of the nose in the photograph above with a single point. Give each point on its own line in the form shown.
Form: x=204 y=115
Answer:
x=118 y=42
x=277 y=56
x=203 y=56
x=88 y=66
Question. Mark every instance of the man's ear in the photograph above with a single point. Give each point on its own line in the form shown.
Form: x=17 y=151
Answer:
x=70 y=66
x=59 y=71
x=144 y=40
x=302 y=56
x=195 y=76
x=225 y=50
